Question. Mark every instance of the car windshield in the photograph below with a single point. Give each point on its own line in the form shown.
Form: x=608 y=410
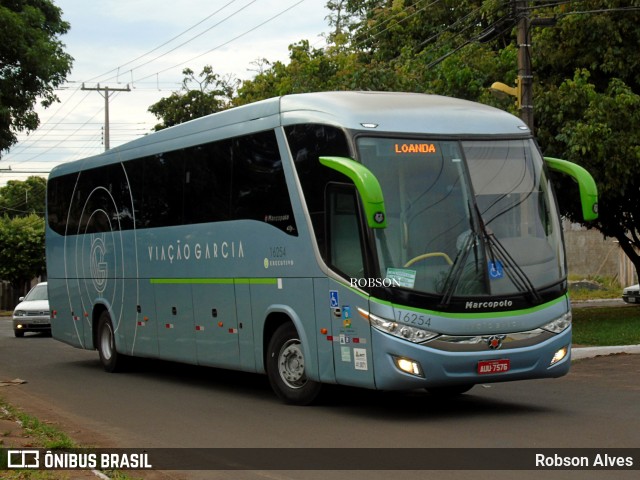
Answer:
x=465 y=218
x=39 y=292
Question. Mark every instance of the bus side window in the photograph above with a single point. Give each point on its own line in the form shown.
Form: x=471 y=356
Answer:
x=345 y=252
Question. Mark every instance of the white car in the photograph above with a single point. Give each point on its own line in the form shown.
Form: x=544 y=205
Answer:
x=32 y=313
x=631 y=294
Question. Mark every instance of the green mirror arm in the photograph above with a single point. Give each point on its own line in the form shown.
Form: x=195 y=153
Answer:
x=368 y=187
x=588 y=189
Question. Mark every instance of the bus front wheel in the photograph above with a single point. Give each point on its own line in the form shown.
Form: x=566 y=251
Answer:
x=111 y=360
x=286 y=368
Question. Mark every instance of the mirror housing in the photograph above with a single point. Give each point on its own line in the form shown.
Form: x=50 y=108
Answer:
x=586 y=184
x=367 y=185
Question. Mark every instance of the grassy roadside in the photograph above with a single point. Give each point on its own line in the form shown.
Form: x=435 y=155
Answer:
x=603 y=326
x=606 y=326
x=32 y=433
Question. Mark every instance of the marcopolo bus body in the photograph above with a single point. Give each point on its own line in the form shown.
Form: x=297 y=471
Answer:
x=382 y=240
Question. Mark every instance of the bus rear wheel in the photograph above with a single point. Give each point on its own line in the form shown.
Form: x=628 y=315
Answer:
x=111 y=360
x=286 y=368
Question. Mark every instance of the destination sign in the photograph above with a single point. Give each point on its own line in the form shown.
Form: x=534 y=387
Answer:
x=405 y=148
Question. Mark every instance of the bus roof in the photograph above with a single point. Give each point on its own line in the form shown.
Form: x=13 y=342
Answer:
x=400 y=112
x=412 y=113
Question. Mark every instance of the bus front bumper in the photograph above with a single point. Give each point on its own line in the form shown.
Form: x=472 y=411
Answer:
x=403 y=365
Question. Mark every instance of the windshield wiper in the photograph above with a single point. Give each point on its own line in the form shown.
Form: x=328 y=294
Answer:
x=514 y=272
x=457 y=269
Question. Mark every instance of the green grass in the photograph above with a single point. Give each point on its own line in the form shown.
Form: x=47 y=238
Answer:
x=43 y=435
x=40 y=435
x=606 y=326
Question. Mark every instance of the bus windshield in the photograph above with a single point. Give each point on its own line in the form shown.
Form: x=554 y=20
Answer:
x=465 y=218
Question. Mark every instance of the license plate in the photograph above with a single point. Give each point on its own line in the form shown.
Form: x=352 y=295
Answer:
x=632 y=299
x=494 y=366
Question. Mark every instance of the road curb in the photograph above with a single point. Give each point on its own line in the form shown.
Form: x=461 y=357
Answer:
x=580 y=353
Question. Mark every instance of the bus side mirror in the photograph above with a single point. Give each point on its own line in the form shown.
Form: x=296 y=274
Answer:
x=367 y=185
x=586 y=184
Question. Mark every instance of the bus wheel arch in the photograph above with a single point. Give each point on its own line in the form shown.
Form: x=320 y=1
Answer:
x=285 y=362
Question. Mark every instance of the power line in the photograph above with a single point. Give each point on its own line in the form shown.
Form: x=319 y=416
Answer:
x=188 y=41
x=117 y=69
x=35 y=140
x=227 y=42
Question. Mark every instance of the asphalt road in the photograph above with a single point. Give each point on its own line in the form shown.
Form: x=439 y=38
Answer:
x=166 y=405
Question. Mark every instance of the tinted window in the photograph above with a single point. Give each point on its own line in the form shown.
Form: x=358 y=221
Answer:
x=260 y=191
x=207 y=195
x=234 y=179
x=99 y=202
x=307 y=143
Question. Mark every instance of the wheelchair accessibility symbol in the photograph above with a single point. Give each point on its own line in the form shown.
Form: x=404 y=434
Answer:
x=496 y=270
x=334 y=300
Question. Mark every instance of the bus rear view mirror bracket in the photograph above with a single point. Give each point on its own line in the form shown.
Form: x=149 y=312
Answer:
x=586 y=184
x=367 y=185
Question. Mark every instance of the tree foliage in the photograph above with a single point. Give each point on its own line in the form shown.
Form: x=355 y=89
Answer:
x=586 y=102
x=22 y=246
x=22 y=198
x=32 y=63
x=212 y=94
x=22 y=205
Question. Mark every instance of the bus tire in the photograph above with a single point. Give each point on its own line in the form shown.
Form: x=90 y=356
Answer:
x=286 y=368
x=111 y=360
x=450 y=391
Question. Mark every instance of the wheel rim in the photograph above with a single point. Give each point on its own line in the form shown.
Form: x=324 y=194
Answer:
x=291 y=364
x=106 y=342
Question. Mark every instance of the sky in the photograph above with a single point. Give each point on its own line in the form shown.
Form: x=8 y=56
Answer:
x=145 y=45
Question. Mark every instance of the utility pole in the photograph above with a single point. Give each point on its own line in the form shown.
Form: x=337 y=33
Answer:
x=525 y=74
x=105 y=92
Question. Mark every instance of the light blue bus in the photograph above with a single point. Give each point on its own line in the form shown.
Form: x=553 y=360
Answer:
x=380 y=240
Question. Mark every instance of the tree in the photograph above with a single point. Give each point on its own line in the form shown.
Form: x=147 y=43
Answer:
x=213 y=94
x=32 y=63
x=22 y=246
x=586 y=77
x=586 y=105
x=22 y=198
x=402 y=45
x=22 y=205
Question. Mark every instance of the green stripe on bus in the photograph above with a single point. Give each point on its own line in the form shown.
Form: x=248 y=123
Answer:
x=213 y=281
x=470 y=315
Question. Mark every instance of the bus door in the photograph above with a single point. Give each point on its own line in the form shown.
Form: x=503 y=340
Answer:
x=350 y=332
x=174 y=313
x=216 y=323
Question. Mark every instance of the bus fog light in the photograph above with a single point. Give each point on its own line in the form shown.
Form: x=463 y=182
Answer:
x=408 y=366
x=559 y=355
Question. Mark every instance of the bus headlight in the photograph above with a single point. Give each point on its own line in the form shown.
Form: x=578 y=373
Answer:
x=559 y=324
x=400 y=330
